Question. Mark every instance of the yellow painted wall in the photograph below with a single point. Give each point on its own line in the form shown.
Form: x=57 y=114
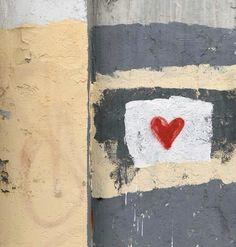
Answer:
x=43 y=77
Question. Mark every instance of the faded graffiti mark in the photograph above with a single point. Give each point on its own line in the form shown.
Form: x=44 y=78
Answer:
x=62 y=238
x=28 y=154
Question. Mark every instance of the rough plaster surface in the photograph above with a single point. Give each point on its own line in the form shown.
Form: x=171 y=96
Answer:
x=187 y=216
x=136 y=46
x=213 y=13
x=17 y=12
x=192 y=144
x=43 y=84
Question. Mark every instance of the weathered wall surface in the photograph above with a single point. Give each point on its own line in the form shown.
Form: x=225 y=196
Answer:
x=145 y=52
x=43 y=119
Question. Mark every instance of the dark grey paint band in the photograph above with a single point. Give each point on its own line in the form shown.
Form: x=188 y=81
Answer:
x=126 y=47
x=190 y=216
x=109 y=123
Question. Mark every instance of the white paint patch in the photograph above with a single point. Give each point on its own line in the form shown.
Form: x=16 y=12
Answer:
x=17 y=12
x=213 y=13
x=192 y=144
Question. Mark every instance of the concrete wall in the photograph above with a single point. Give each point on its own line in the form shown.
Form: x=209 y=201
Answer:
x=171 y=59
x=148 y=59
x=43 y=119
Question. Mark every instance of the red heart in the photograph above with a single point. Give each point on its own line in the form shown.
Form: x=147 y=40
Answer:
x=166 y=132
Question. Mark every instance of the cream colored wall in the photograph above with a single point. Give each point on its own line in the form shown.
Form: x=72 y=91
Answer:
x=43 y=84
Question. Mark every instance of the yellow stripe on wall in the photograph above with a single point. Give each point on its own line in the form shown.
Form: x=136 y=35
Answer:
x=43 y=85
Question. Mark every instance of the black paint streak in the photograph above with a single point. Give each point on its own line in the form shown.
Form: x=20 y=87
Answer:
x=109 y=123
x=5 y=191
x=135 y=46
x=201 y=215
x=4 y=176
x=3 y=162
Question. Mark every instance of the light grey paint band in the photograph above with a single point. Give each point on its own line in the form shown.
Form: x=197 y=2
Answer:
x=213 y=13
x=17 y=12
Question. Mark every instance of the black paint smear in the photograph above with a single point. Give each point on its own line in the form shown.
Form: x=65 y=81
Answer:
x=5 y=191
x=197 y=215
x=109 y=123
x=4 y=176
x=3 y=162
x=157 y=45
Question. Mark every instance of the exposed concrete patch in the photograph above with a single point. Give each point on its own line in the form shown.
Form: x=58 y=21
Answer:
x=4 y=176
x=126 y=47
x=17 y=12
x=213 y=13
x=187 y=216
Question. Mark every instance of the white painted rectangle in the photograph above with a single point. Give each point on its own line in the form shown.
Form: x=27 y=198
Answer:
x=192 y=144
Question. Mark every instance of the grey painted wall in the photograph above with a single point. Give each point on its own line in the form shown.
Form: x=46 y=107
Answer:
x=139 y=34
x=188 y=216
x=126 y=47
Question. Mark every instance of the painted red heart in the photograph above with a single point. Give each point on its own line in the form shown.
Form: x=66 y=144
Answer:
x=166 y=132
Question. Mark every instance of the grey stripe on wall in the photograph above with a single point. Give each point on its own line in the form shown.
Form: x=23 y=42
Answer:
x=188 y=216
x=213 y=13
x=126 y=47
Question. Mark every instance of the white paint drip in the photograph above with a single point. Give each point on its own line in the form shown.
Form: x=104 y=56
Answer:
x=126 y=198
x=142 y=225
x=113 y=221
x=192 y=144
x=172 y=240
x=172 y=234
x=137 y=224
x=135 y=215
